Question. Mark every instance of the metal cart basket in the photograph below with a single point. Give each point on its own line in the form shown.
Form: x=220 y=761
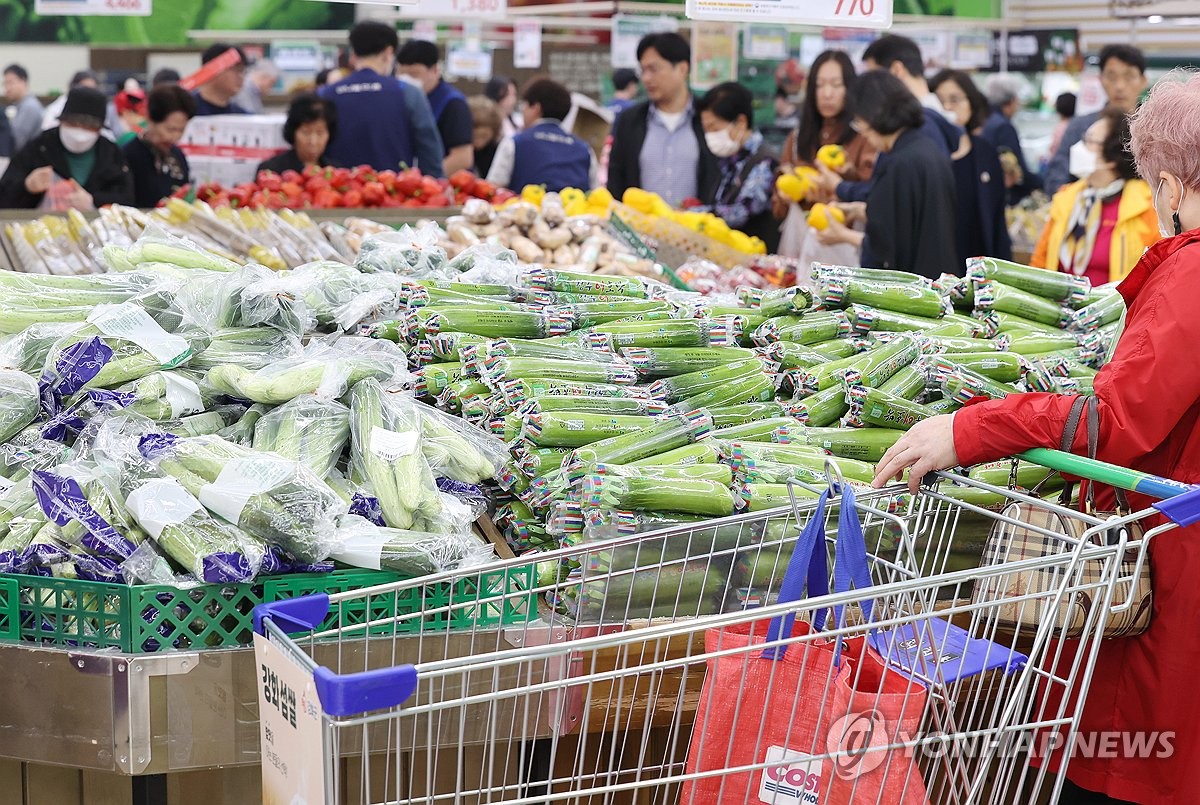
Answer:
x=681 y=666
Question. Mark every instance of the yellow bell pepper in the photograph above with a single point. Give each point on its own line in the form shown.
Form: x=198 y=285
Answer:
x=790 y=186
x=600 y=197
x=533 y=193
x=639 y=200
x=832 y=157
x=820 y=215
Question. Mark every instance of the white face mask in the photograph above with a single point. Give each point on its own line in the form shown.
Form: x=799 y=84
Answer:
x=77 y=140
x=1176 y=228
x=411 y=81
x=720 y=143
x=1082 y=160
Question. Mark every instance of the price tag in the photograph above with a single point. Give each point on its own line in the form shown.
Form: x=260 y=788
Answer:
x=832 y=13
x=92 y=8
x=527 y=44
x=289 y=719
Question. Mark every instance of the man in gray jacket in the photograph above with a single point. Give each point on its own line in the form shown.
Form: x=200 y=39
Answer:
x=1123 y=76
x=24 y=112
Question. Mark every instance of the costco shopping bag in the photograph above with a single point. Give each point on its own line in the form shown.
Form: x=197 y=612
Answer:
x=784 y=705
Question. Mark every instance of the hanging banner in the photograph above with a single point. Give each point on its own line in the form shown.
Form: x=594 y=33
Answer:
x=765 y=42
x=1040 y=50
x=527 y=44
x=833 y=13
x=714 y=54
x=628 y=30
x=92 y=8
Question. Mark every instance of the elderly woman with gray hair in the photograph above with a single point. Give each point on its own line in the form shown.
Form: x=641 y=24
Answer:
x=1143 y=687
x=1003 y=92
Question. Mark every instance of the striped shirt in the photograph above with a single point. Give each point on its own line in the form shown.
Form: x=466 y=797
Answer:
x=670 y=158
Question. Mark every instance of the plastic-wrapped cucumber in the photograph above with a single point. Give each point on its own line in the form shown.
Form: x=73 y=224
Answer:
x=1104 y=310
x=539 y=297
x=537 y=461
x=435 y=378
x=579 y=428
x=307 y=429
x=775 y=429
x=665 y=333
x=410 y=553
x=20 y=402
x=811 y=328
x=448 y=346
x=599 y=405
x=650 y=494
x=761 y=497
x=497 y=370
x=908 y=383
x=521 y=348
x=659 y=436
x=840 y=347
x=672 y=361
x=728 y=416
x=675 y=590
x=908 y=298
x=748 y=389
x=699 y=453
x=589 y=314
x=781 y=301
x=870 y=406
x=822 y=270
x=324 y=370
x=692 y=383
x=865 y=319
x=492 y=323
x=720 y=473
x=999 y=473
x=822 y=408
x=992 y=295
x=881 y=363
x=591 y=284
x=945 y=344
x=863 y=444
x=517 y=392
x=1007 y=367
x=794 y=356
x=1053 y=285
x=961 y=384
x=605 y=524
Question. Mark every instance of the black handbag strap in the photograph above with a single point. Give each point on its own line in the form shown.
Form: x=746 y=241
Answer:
x=1092 y=407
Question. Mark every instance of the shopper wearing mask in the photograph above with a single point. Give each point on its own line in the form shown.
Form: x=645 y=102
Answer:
x=382 y=121
x=1149 y=406
x=658 y=144
x=747 y=167
x=910 y=209
x=1123 y=77
x=310 y=126
x=155 y=160
x=544 y=153
x=78 y=168
x=978 y=175
x=418 y=61
x=1100 y=225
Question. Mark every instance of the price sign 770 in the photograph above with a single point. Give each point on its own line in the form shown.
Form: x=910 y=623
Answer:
x=822 y=13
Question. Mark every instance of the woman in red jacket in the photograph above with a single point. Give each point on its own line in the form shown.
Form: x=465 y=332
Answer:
x=1149 y=397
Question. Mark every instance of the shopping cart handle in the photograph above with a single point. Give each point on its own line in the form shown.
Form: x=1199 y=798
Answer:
x=344 y=695
x=293 y=615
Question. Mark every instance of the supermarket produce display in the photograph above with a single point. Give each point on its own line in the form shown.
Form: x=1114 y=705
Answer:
x=200 y=395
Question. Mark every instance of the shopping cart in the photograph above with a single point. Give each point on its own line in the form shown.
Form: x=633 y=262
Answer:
x=632 y=676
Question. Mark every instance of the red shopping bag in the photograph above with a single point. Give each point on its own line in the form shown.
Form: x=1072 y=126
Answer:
x=785 y=705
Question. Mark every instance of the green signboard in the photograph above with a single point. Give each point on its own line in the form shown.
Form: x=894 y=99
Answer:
x=171 y=21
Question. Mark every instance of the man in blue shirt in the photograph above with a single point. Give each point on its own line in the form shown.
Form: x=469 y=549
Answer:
x=1004 y=96
x=382 y=122
x=215 y=96
x=625 y=90
x=418 y=60
x=544 y=153
x=658 y=144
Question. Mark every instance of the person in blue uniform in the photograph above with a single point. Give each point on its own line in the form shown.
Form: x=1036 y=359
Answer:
x=418 y=60
x=382 y=121
x=544 y=152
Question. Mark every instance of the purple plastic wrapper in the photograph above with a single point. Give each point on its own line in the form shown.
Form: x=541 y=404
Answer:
x=367 y=506
x=470 y=494
x=76 y=366
x=226 y=566
x=277 y=561
x=62 y=500
x=97 y=568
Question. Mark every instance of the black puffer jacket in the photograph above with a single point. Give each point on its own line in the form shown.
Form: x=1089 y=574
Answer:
x=110 y=182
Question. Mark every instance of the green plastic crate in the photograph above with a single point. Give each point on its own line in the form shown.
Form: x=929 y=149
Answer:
x=71 y=613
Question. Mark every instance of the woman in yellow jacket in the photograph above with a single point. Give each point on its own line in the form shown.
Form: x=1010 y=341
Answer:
x=1100 y=225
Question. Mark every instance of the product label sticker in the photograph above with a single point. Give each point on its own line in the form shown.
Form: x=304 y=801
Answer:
x=242 y=479
x=131 y=323
x=161 y=502
x=390 y=445
x=183 y=395
x=793 y=778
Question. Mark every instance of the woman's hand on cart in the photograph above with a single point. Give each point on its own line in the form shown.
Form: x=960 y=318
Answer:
x=927 y=447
